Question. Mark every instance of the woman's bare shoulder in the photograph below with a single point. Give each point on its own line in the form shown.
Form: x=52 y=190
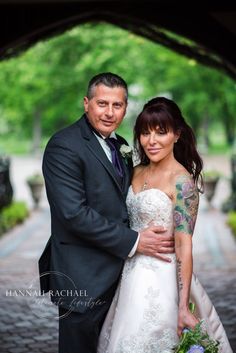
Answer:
x=180 y=174
x=138 y=169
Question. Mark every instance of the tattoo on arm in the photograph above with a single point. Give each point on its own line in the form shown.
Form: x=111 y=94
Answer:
x=186 y=207
x=180 y=283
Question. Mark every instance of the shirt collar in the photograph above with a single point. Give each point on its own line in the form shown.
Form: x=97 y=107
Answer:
x=113 y=135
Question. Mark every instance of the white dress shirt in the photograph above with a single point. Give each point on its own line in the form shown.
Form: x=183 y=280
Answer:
x=107 y=150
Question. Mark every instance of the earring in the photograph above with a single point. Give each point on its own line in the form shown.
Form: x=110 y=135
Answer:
x=176 y=140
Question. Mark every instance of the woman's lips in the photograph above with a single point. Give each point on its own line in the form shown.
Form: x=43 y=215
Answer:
x=154 y=150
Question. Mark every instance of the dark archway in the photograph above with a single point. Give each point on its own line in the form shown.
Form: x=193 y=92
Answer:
x=210 y=27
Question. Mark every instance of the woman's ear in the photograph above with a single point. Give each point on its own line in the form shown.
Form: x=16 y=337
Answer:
x=177 y=135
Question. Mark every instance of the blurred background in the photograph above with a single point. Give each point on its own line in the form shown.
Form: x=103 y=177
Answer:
x=42 y=90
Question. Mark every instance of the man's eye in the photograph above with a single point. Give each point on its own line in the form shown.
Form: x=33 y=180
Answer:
x=101 y=104
x=118 y=106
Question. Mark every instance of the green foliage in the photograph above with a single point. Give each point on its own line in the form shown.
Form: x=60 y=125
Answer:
x=9 y=146
x=211 y=175
x=196 y=337
x=47 y=83
x=12 y=215
x=219 y=149
x=231 y=221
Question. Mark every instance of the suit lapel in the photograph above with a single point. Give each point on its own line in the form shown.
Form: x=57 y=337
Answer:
x=96 y=149
x=126 y=181
x=127 y=171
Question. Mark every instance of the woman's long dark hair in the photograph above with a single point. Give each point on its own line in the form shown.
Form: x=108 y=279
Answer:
x=165 y=113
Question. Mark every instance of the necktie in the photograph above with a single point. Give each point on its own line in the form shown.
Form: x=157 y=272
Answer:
x=113 y=144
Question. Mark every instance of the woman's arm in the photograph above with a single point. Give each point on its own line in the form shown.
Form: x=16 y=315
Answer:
x=185 y=214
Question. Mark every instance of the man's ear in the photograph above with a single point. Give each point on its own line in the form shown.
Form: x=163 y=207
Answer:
x=86 y=101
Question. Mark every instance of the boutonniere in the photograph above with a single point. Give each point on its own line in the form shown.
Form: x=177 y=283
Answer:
x=126 y=151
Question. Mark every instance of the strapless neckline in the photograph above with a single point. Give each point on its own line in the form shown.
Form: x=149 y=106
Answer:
x=148 y=190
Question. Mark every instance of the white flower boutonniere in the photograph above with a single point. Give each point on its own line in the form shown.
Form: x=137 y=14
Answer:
x=126 y=151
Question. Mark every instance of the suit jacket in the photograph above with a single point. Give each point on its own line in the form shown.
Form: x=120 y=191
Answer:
x=90 y=230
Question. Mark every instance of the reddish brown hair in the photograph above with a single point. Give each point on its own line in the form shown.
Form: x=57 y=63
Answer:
x=166 y=114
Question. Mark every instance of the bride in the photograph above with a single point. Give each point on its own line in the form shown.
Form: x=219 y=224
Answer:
x=150 y=307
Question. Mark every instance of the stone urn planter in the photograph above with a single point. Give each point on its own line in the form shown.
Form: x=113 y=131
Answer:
x=36 y=184
x=210 y=180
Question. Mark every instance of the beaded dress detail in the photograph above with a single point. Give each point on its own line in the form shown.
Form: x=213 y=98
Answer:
x=143 y=315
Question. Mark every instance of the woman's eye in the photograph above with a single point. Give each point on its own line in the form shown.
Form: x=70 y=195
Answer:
x=145 y=133
x=161 y=132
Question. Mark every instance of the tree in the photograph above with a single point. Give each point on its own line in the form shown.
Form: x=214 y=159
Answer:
x=42 y=90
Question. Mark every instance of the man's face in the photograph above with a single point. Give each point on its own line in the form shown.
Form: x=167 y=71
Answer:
x=106 y=109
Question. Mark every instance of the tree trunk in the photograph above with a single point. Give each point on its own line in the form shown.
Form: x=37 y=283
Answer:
x=206 y=136
x=230 y=135
x=229 y=125
x=37 y=132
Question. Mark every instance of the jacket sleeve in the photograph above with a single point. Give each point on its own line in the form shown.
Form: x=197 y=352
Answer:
x=63 y=173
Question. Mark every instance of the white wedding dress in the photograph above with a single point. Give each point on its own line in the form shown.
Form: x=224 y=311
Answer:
x=143 y=315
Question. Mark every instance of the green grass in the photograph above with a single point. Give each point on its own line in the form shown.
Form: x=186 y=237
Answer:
x=219 y=149
x=18 y=145
x=13 y=144
x=218 y=142
x=12 y=215
x=231 y=221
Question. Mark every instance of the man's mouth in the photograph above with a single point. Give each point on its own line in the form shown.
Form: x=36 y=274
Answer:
x=107 y=122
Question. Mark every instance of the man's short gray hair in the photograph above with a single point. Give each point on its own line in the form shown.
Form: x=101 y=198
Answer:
x=107 y=79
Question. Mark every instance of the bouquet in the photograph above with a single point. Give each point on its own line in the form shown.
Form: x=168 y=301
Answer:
x=196 y=340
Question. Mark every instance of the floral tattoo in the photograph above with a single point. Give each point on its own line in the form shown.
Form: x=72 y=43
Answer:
x=186 y=207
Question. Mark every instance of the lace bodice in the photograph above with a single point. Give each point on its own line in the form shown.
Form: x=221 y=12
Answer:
x=151 y=206
x=144 y=312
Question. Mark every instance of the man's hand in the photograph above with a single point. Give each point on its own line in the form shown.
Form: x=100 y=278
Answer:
x=153 y=242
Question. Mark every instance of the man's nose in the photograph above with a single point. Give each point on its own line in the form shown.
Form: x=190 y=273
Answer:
x=109 y=111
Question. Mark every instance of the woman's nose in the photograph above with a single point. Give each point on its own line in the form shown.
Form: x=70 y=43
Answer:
x=152 y=139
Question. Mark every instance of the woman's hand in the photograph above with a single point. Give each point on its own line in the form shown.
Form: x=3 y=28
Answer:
x=186 y=320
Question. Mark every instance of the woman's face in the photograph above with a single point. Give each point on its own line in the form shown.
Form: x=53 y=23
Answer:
x=158 y=144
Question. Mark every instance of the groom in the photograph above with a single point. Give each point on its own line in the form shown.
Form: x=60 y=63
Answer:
x=87 y=181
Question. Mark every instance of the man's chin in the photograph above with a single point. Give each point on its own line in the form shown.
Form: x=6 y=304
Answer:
x=106 y=131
